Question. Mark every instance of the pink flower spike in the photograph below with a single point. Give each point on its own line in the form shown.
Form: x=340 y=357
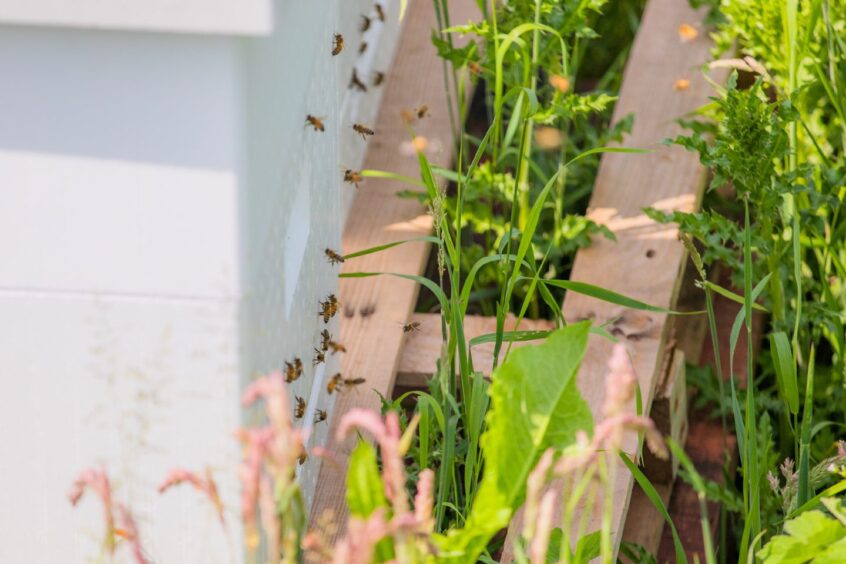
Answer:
x=206 y=486
x=129 y=531
x=424 y=500
x=98 y=481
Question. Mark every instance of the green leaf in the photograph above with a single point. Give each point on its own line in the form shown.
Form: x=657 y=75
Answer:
x=611 y=297
x=656 y=500
x=807 y=536
x=785 y=368
x=535 y=405
x=371 y=250
x=365 y=492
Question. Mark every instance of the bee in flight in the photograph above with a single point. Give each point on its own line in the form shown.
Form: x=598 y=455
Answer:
x=362 y=48
x=302 y=458
x=328 y=308
x=422 y=111
x=319 y=357
x=362 y=130
x=333 y=257
x=299 y=409
x=356 y=82
x=337 y=347
x=380 y=12
x=338 y=382
x=320 y=416
x=337 y=44
x=411 y=327
x=378 y=78
x=365 y=24
x=293 y=370
x=315 y=122
x=353 y=177
x=325 y=339
x=334 y=383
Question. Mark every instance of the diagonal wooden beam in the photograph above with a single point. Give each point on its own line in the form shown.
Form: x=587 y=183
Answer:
x=646 y=260
x=373 y=310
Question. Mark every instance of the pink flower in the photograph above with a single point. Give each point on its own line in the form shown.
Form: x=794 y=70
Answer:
x=129 y=531
x=387 y=435
x=620 y=382
x=97 y=480
x=424 y=500
x=358 y=545
x=207 y=486
x=539 y=544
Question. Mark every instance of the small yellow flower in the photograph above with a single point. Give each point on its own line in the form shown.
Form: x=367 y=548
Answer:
x=687 y=33
x=560 y=83
x=681 y=84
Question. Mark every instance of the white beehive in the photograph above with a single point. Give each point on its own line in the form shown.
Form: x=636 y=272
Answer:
x=163 y=216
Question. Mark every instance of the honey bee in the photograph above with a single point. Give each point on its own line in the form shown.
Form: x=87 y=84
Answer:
x=362 y=130
x=380 y=12
x=328 y=308
x=299 y=409
x=337 y=44
x=378 y=78
x=325 y=339
x=353 y=381
x=422 y=111
x=356 y=83
x=315 y=122
x=353 y=177
x=334 y=383
x=365 y=24
x=337 y=347
x=320 y=416
x=319 y=357
x=333 y=257
x=411 y=327
x=362 y=48
x=302 y=458
x=293 y=370
x=368 y=310
x=474 y=67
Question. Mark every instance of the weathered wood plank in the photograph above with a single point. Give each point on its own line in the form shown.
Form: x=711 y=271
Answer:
x=378 y=216
x=423 y=348
x=646 y=260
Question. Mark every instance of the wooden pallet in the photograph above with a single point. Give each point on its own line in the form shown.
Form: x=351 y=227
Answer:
x=645 y=262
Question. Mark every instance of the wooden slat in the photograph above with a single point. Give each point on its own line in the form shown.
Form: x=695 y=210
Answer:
x=646 y=260
x=423 y=348
x=378 y=216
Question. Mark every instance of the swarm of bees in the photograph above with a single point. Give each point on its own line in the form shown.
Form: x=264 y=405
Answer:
x=328 y=308
x=315 y=122
x=338 y=382
x=362 y=130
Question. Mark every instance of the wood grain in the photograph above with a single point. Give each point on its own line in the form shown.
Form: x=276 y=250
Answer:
x=378 y=216
x=646 y=260
x=423 y=348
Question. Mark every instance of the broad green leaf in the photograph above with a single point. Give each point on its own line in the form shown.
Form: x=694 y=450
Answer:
x=809 y=535
x=365 y=492
x=535 y=405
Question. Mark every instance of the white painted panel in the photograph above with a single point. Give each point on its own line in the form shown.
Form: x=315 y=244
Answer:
x=119 y=155
x=246 y=17
x=138 y=385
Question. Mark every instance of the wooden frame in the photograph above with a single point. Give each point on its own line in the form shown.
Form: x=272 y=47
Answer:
x=662 y=83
